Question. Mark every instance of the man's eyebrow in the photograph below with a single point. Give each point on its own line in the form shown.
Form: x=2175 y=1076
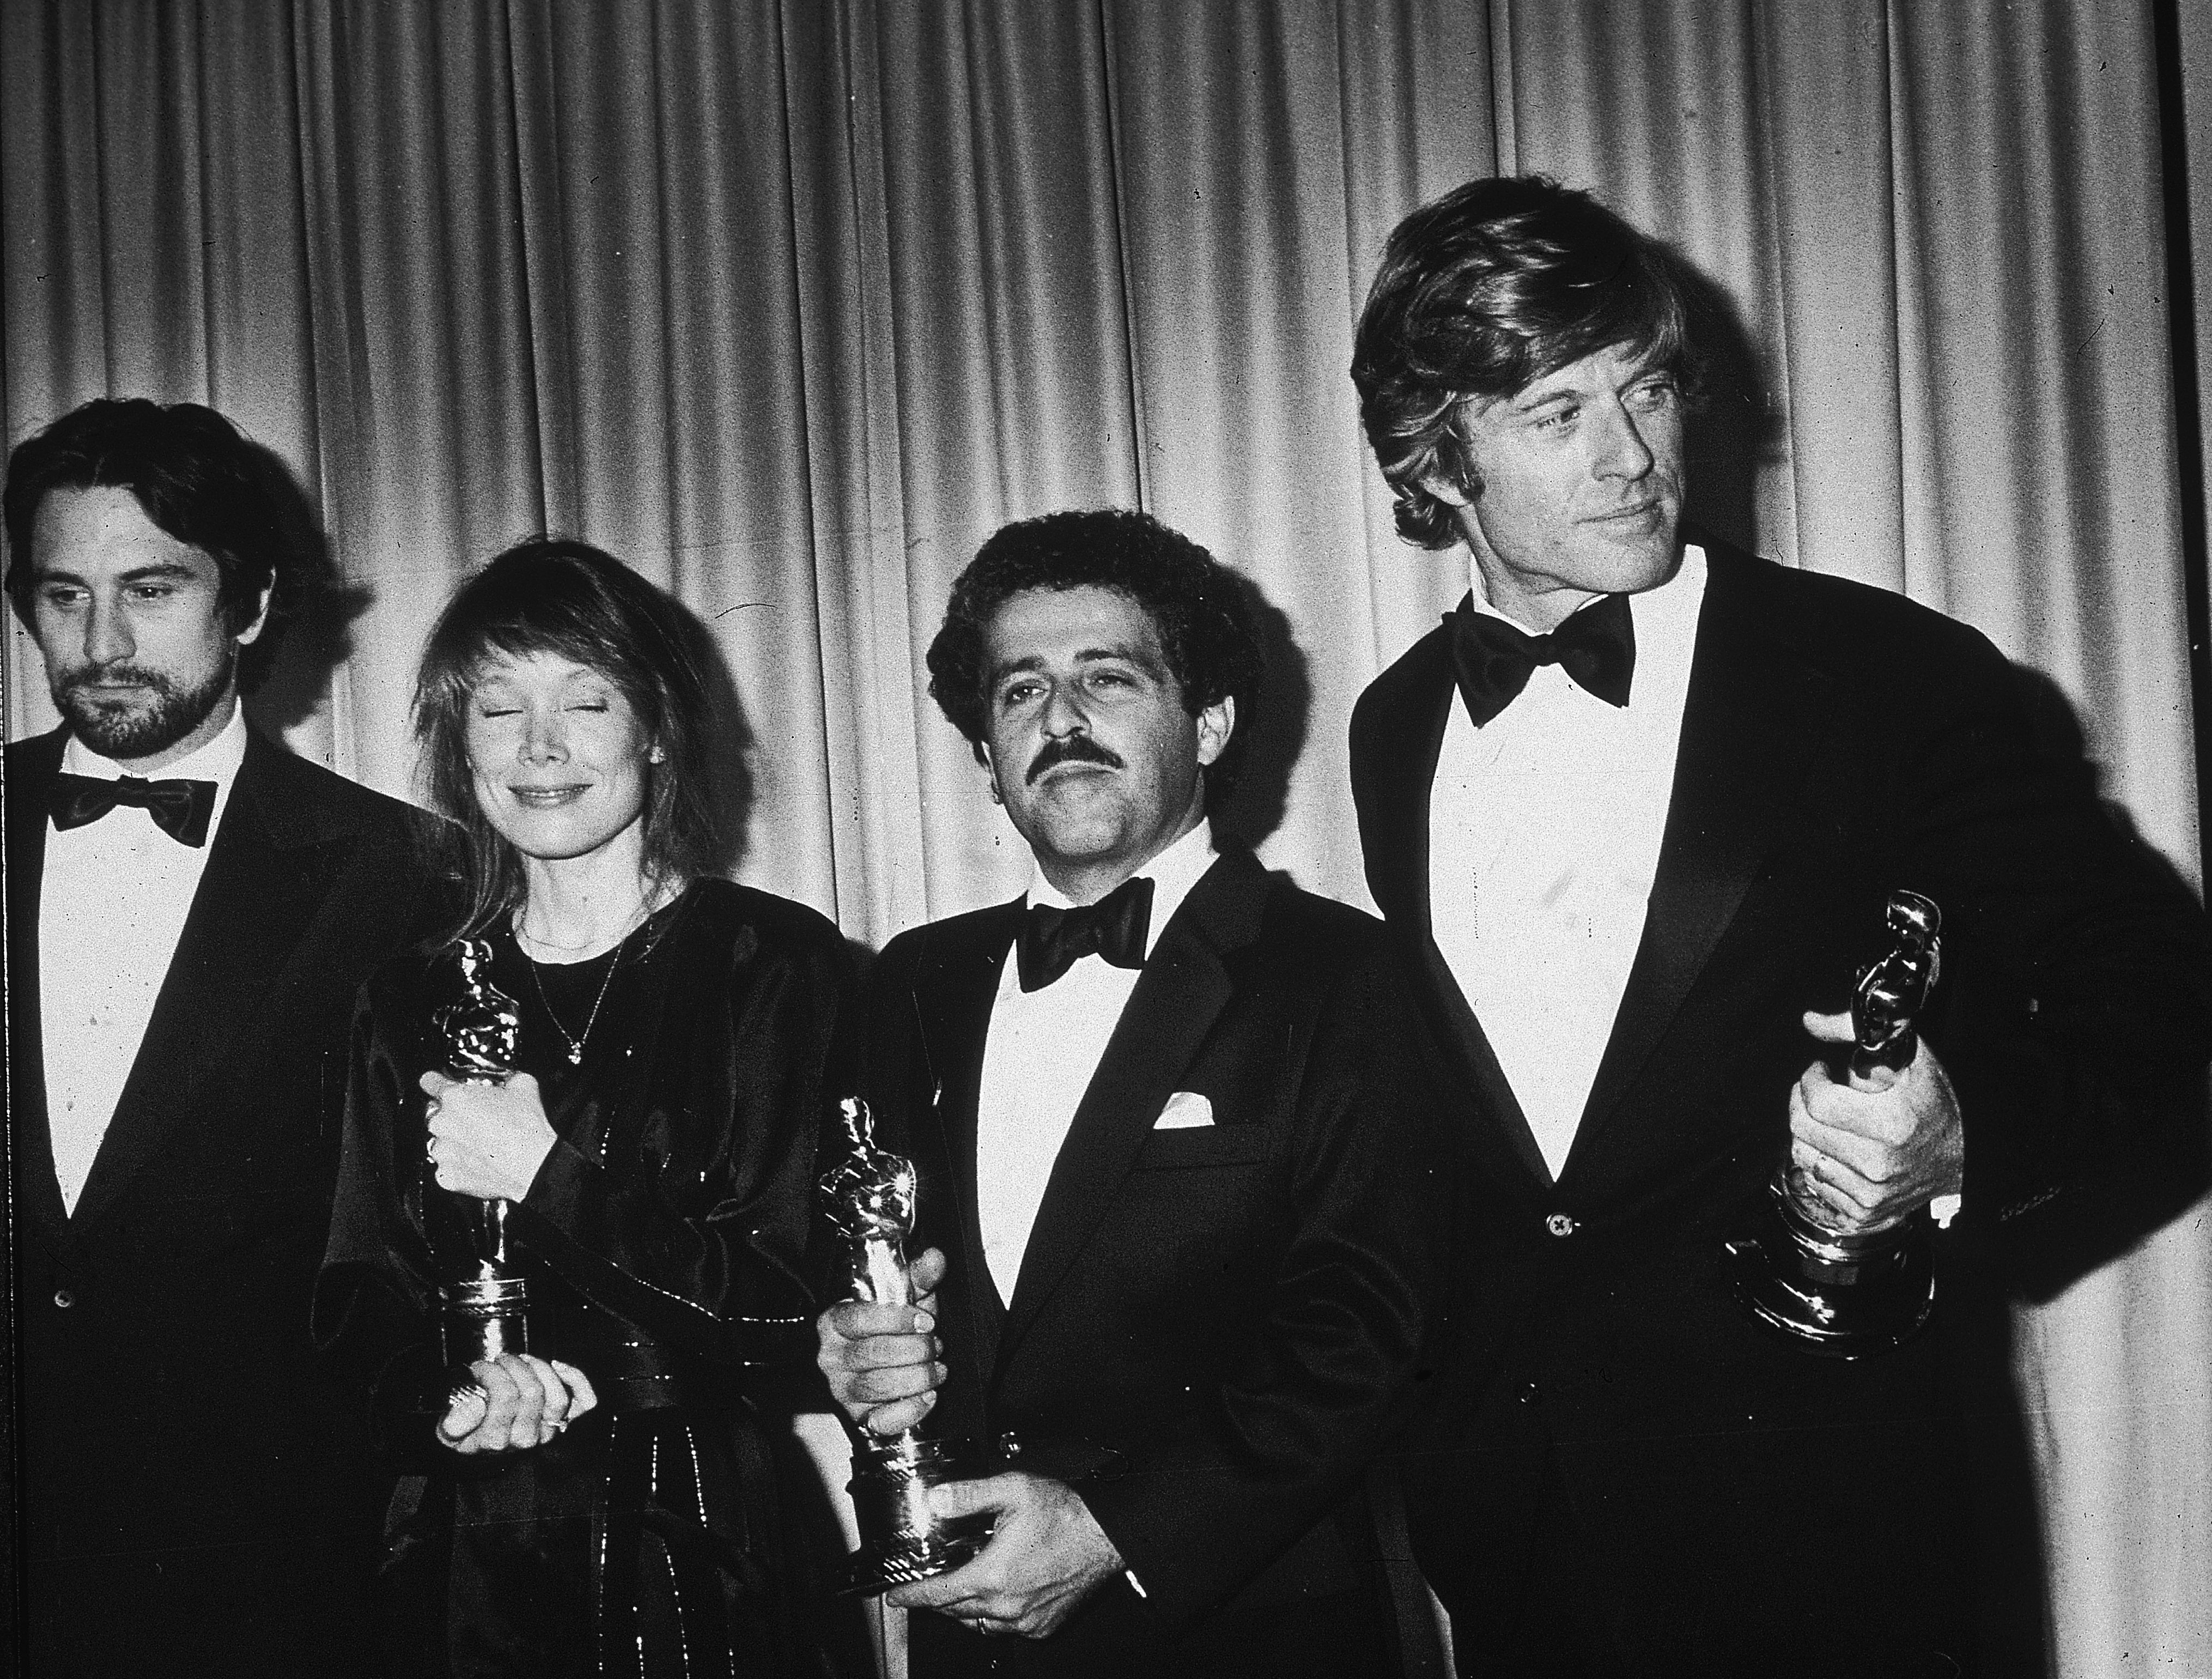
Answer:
x=1525 y=403
x=1528 y=402
x=160 y=571
x=1120 y=650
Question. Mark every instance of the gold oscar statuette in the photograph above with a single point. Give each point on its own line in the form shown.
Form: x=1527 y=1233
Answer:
x=1839 y=1295
x=869 y=1200
x=483 y=1297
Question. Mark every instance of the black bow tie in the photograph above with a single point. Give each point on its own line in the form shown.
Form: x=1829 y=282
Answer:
x=1596 y=646
x=180 y=809
x=1053 y=940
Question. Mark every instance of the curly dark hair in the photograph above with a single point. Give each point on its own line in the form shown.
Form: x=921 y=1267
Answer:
x=568 y=598
x=1198 y=607
x=198 y=478
x=1492 y=287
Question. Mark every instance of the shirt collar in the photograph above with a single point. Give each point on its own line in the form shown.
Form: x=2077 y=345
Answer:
x=1691 y=555
x=1173 y=873
x=216 y=761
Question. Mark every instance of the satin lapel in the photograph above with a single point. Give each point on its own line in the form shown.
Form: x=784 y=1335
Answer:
x=1398 y=736
x=955 y=984
x=259 y=893
x=30 y=1144
x=1182 y=990
x=1756 y=710
x=1399 y=731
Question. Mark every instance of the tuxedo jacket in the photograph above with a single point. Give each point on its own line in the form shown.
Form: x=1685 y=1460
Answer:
x=192 y=1480
x=1233 y=1312
x=1838 y=742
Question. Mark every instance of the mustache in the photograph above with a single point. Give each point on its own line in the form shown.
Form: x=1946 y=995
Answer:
x=87 y=676
x=1070 y=749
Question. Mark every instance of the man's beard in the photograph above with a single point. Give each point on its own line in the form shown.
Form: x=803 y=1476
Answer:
x=116 y=728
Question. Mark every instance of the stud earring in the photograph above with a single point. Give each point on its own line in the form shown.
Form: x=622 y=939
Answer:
x=656 y=756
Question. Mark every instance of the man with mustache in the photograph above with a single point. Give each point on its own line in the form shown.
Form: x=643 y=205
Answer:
x=190 y=910
x=1633 y=814
x=1177 y=1156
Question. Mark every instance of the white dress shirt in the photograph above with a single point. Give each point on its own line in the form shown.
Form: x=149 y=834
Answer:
x=1544 y=831
x=1041 y=1051
x=112 y=905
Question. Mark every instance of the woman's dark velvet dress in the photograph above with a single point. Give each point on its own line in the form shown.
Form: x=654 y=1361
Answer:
x=665 y=1243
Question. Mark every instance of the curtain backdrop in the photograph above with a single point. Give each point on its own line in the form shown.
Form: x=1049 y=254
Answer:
x=791 y=304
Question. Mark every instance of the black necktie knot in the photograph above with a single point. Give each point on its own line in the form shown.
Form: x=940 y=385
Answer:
x=1054 y=941
x=1596 y=646
x=180 y=809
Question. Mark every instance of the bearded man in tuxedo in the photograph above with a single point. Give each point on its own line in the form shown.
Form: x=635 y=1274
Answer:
x=1176 y=1154
x=1633 y=814
x=190 y=910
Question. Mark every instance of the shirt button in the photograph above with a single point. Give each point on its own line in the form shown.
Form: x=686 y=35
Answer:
x=64 y=1298
x=1559 y=1225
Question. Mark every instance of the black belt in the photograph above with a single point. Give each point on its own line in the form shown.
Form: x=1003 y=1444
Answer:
x=643 y=1375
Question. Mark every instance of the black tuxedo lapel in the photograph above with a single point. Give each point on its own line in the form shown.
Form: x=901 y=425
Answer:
x=1756 y=708
x=1401 y=734
x=256 y=898
x=1404 y=732
x=1181 y=991
x=955 y=984
x=30 y=795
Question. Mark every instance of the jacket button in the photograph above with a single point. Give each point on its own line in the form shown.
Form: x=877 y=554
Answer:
x=64 y=1298
x=1559 y=1225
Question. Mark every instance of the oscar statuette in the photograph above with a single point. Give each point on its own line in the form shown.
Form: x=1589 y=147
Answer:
x=482 y=1294
x=869 y=1200
x=1841 y=1295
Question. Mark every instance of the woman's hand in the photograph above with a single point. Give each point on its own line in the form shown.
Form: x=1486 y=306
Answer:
x=487 y=1139
x=514 y=1403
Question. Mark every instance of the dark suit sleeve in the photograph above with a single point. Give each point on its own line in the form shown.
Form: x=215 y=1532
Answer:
x=375 y=1298
x=1310 y=1392
x=2075 y=1011
x=728 y=1281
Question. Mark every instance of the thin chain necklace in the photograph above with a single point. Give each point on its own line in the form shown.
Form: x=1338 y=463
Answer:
x=575 y=1044
x=526 y=938
x=643 y=914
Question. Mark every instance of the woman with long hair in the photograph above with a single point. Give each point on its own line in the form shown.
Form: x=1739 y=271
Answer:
x=650 y=1056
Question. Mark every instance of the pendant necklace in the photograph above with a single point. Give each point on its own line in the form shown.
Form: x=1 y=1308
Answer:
x=576 y=1044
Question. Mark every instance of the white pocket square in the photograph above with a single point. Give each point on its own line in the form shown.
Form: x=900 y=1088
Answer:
x=1185 y=1109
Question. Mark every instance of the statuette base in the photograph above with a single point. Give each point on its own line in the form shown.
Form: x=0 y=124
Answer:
x=902 y=1541
x=1836 y=1296
x=484 y=1317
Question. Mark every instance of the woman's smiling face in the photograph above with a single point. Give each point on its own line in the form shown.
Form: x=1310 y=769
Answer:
x=559 y=757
